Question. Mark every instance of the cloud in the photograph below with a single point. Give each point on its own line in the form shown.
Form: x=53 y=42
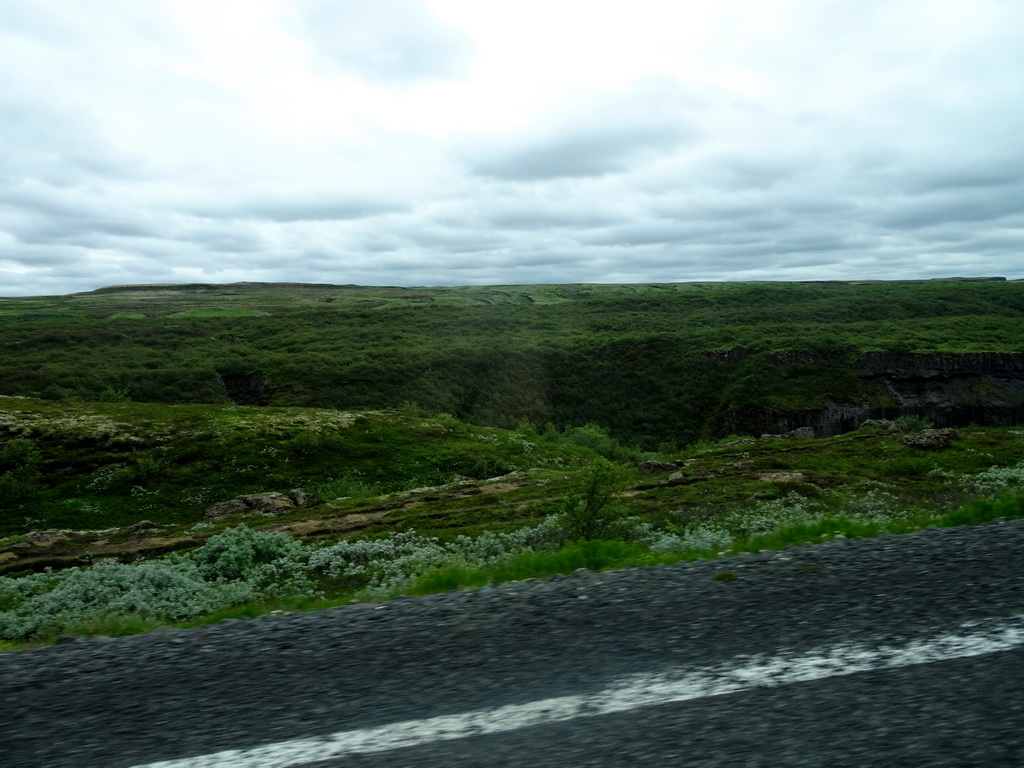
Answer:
x=587 y=151
x=299 y=206
x=447 y=141
x=973 y=204
x=56 y=144
x=389 y=41
x=592 y=135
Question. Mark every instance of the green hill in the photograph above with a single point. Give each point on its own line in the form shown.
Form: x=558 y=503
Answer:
x=668 y=363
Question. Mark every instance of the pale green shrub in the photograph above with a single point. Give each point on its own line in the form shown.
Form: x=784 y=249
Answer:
x=997 y=479
x=235 y=566
x=241 y=552
x=48 y=603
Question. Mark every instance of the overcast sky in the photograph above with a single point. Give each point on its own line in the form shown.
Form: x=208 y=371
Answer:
x=449 y=142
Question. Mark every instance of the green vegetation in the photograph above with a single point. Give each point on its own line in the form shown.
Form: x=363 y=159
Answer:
x=450 y=438
x=105 y=465
x=257 y=571
x=544 y=504
x=651 y=363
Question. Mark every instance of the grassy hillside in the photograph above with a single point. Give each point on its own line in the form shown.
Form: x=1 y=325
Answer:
x=450 y=437
x=104 y=528
x=105 y=466
x=651 y=362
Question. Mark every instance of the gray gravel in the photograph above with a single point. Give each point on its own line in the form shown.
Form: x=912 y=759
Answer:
x=170 y=694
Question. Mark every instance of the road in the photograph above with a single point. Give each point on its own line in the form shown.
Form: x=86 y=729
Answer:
x=897 y=651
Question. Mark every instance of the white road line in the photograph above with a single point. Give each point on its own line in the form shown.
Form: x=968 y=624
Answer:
x=626 y=694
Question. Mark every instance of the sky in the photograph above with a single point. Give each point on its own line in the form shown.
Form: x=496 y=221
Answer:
x=460 y=142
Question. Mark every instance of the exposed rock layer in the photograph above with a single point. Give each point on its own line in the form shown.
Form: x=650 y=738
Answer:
x=949 y=390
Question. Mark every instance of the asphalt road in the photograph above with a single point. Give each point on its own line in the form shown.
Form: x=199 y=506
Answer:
x=898 y=651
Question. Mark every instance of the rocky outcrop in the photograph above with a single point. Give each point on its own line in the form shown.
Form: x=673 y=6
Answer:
x=266 y=503
x=654 y=467
x=246 y=388
x=930 y=439
x=949 y=390
x=800 y=433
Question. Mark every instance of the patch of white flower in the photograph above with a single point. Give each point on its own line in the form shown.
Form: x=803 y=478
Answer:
x=525 y=446
x=85 y=425
x=699 y=537
x=875 y=506
x=288 y=422
x=720 y=533
x=233 y=567
x=195 y=496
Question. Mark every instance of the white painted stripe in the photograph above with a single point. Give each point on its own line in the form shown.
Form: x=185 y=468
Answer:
x=626 y=694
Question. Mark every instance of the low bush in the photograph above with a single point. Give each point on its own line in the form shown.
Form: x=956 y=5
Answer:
x=245 y=572
x=911 y=423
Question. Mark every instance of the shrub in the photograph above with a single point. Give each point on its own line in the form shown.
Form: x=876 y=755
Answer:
x=241 y=553
x=19 y=453
x=599 y=440
x=591 y=513
x=48 y=603
x=910 y=423
x=996 y=479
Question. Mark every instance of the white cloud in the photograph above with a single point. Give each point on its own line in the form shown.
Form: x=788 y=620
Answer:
x=387 y=40
x=454 y=141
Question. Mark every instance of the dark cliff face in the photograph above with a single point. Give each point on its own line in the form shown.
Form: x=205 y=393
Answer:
x=950 y=390
x=246 y=388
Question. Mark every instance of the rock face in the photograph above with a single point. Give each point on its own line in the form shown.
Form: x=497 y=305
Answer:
x=142 y=525
x=949 y=390
x=783 y=477
x=246 y=388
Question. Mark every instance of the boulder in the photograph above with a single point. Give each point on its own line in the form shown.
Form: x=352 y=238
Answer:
x=142 y=525
x=46 y=538
x=267 y=502
x=930 y=439
x=270 y=502
x=302 y=499
x=226 y=508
